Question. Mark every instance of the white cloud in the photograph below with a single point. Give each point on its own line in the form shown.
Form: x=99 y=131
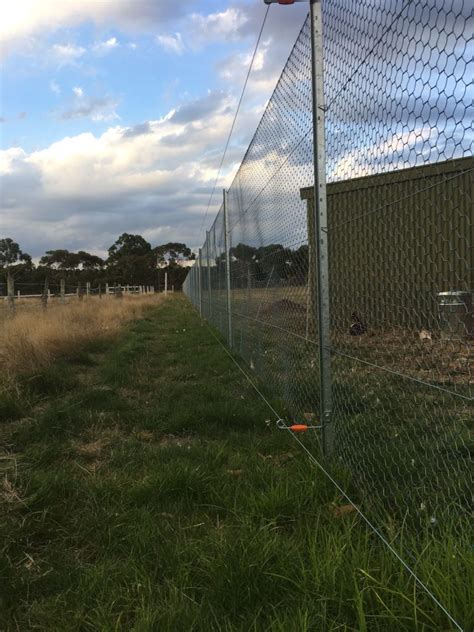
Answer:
x=22 y=20
x=8 y=157
x=237 y=65
x=102 y=48
x=171 y=43
x=155 y=235
x=154 y=177
x=67 y=53
x=84 y=190
x=217 y=26
x=265 y=73
x=98 y=109
x=54 y=87
x=366 y=160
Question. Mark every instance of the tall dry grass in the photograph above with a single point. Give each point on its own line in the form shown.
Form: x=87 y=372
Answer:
x=34 y=338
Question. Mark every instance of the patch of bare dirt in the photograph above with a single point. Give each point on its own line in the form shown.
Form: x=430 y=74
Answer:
x=9 y=493
x=145 y=435
x=94 y=448
x=427 y=358
x=279 y=460
x=178 y=441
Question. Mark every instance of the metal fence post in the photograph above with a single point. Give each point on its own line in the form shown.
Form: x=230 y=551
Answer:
x=200 y=282
x=214 y=257
x=320 y=225
x=227 y=246
x=208 y=241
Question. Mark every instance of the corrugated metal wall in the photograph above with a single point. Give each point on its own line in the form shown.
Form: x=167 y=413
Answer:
x=397 y=240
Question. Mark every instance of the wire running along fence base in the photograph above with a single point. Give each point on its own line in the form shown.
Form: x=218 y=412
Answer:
x=399 y=169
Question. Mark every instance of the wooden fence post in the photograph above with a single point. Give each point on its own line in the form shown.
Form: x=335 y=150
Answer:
x=11 y=291
x=45 y=294
x=63 y=290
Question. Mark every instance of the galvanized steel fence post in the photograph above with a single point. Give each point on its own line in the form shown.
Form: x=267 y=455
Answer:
x=200 y=281
x=227 y=247
x=320 y=225
x=209 y=292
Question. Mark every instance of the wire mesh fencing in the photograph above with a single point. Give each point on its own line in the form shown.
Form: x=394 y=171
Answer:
x=399 y=168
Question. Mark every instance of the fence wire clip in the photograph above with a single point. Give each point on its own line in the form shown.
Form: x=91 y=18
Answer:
x=281 y=425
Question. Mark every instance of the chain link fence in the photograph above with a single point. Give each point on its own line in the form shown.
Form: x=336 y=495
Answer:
x=399 y=169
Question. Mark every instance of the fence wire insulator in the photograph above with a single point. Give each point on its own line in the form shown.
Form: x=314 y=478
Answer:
x=281 y=425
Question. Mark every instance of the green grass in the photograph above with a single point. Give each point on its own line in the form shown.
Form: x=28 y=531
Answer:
x=143 y=490
x=407 y=445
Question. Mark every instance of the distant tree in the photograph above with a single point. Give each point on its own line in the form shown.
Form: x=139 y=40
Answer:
x=129 y=245
x=170 y=258
x=132 y=260
x=173 y=254
x=12 y=259
x=273 y=257
x=90 y=262
x=299 y=265
x=243 y=252
x=61 y=260
x=243 y=263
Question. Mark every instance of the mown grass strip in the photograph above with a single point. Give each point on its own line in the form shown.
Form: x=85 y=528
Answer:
x=145 y=492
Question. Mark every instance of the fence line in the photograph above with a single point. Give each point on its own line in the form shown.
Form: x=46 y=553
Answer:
x=397 y=398
x=47 y=292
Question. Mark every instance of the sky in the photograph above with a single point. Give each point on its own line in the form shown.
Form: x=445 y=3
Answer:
x=114 y=114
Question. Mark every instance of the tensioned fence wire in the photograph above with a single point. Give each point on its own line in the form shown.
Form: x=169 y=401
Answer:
x=400 y=223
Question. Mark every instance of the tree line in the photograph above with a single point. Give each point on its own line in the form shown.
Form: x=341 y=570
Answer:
x=131 y=260
x=272 y=263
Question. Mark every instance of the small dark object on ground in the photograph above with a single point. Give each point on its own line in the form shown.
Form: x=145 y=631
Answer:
x=357 y=328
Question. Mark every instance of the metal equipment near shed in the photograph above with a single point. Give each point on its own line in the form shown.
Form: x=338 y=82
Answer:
x=455 y=314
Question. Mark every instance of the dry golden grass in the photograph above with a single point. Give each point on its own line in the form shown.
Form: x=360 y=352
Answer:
x=34 y=338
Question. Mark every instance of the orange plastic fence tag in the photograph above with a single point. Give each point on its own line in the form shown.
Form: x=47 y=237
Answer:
x=299 y=428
